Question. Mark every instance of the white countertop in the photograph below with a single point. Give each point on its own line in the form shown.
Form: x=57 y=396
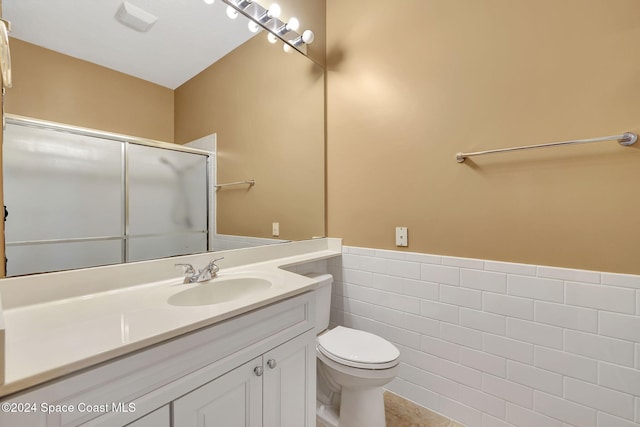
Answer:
x=47 y=340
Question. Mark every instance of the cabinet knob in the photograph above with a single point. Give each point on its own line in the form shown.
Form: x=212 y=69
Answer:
x=271 y=363
x=258 y=370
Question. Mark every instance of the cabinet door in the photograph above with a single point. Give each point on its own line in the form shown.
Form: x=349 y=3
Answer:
x=158 y=418
x=232 y=400
x=289 y=390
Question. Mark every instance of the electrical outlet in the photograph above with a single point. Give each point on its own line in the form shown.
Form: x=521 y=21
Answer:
x=275 y=229
x=402 y=239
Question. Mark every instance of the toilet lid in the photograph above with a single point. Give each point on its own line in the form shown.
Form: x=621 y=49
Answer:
x=359 y=347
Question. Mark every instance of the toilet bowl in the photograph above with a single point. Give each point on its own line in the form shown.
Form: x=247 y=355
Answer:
x=353 y=364
x=360 y=364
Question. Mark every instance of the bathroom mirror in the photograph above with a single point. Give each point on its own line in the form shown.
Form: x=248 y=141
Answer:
x=265 y=107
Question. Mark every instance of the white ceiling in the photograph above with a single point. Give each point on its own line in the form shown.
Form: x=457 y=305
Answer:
x=188 y=36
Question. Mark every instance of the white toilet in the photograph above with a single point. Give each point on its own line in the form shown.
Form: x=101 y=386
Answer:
x=352 y=368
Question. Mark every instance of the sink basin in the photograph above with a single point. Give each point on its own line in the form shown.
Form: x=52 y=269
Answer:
x=219 y=290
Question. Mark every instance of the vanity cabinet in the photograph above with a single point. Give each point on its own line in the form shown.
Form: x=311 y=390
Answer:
x=233 y=400
x=290 y=383
x=253 y=370
x=158 y=418
x=272 y=390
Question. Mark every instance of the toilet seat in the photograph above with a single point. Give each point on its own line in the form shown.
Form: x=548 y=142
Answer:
x=358 y=349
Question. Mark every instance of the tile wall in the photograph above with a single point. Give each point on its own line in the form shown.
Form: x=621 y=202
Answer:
x=496 y=344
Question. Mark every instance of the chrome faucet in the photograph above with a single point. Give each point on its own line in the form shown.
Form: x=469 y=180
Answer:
x=207 y=273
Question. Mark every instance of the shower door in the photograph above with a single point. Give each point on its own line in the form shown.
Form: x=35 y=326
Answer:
x=168 y=199
x=64 y=197
x=78 y=200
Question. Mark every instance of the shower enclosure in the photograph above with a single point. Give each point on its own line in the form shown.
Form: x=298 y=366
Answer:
x=78 y=198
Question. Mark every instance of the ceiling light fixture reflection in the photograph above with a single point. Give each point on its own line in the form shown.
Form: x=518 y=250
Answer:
x=253 y=27
x=231 y=13
x=209 y=1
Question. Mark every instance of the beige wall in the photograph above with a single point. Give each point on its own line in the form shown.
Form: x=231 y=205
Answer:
x=51 y=86
x=267 y=110
x=412 y=83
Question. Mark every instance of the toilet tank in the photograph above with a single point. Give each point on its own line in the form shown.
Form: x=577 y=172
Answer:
x=323 y=300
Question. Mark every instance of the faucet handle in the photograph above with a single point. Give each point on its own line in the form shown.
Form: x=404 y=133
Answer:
x=188 y=268
x=215 y=260
x=212 y=267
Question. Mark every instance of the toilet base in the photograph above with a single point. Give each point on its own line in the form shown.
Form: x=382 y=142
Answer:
x=362 y=408
x=329 y=415
x=361 y=392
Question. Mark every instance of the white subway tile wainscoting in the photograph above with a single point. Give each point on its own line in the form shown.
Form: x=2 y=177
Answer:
x=494 y=344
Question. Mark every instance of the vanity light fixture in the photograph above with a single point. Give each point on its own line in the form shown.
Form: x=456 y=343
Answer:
x=268 y=20
x=209 y=1
x=307 y=37
x=273 y=12
x=292 y=25
x=135 y=18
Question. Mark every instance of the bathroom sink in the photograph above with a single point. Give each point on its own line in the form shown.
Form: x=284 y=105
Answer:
x=219 y=290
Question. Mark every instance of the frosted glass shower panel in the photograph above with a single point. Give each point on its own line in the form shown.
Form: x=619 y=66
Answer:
x=144 y=248
x=54 y=256
x=81 y=198
x=167 y=191
x=59 y=185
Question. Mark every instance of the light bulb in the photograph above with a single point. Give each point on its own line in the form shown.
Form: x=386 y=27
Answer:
x=293 y=24
x=272 y=38
x=253 y=27
x=231 y=12
x=308 y=36
x=209 y=1
x=287 y=48
x=274 y=11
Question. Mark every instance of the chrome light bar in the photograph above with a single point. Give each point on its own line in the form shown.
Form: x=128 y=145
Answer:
x=272 y=24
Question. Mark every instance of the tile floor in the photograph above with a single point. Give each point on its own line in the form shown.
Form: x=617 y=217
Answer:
x=403 y=413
